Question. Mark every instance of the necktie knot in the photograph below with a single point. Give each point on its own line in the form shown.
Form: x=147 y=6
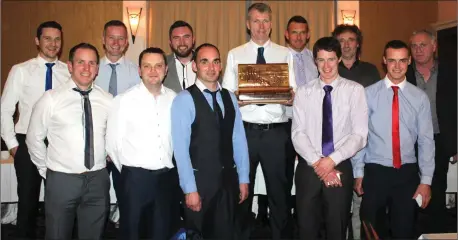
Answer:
x=113 y=65
x=261 y=50
x=83 y=93
x=260 y=58
x=212 y=93
x=299 y=56
x=395 y=89
x=50 y=65
x=327 y=88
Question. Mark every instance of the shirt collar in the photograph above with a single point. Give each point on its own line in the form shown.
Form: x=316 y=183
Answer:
x=146 y=91
x=106 y=61
x=356 y=63
x=202 y=87
x=389 y=84
x=72 y=84
x=42 y=61
x=256 y=46
x=432 y=70
x=294 y=52
x=334 y=83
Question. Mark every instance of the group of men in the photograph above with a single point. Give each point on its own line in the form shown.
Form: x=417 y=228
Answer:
x=172 y=125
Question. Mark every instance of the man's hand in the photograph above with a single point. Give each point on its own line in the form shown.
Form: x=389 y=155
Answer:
x=241 y=103
x=243 y=192
x=323 y=167
x=108 y=158
x=454 y=159
x=358 y=186
x=13 y=151
x=291 y=100
x=193 y=201
x=425 y=191
x=332 y=180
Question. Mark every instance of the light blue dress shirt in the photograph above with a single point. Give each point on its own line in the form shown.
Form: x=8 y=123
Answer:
x=127 y=74
x=183 y=115
x=415 y=125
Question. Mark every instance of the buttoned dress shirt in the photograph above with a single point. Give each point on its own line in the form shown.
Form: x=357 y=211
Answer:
x=25 y=85
x=59 y=117
x=349 y=117
x=139 y=129
x=415 y=125
x=189 y=74
x=247 y=54
x=183 y=115
x=126 y=72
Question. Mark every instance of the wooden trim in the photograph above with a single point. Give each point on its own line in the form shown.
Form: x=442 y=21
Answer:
x=444 y=25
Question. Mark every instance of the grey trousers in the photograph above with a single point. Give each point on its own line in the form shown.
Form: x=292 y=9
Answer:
x=355 y=220
x=84 y=196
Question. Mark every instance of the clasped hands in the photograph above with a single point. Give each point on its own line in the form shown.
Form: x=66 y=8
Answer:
x=324 y=168
x=194 y=202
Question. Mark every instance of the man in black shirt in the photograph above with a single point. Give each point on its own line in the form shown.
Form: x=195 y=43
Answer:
x=350 y=38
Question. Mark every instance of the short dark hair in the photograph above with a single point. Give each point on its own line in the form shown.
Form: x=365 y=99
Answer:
x=83 y=45
x=328 y=44
x=113 y=23
x=152 y=50
x=177 y=24
x=203 y=45
x=48 y=24
x=396 y=44
x=297 y=19
x=353 y=29
x=260 y=7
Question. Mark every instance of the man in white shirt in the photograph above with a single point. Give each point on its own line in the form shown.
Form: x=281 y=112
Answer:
x=329 y=127
x=73 y=119
x=267 y=125
x=139 y=142
x=182 y=42
x=116 y=73
x=25 y=84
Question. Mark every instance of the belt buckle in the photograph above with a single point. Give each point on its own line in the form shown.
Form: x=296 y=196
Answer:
x=265 y=127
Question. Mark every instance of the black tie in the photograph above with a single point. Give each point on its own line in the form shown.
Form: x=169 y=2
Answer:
x=260 y=59
x=216 y=108
x=184 y=77
x=89 y=134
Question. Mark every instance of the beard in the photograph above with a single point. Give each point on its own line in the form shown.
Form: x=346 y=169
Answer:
x=182 y=54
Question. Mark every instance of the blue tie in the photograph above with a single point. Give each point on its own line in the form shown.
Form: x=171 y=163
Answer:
x=327 y=139
x=260 y=59
x=113 y=85
x=49 y=76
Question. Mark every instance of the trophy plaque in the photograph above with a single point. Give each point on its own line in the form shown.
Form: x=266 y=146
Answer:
x=264 y=83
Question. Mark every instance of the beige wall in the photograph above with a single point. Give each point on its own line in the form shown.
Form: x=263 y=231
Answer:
x=382 y=21
x=80 y=20
x=446 y=11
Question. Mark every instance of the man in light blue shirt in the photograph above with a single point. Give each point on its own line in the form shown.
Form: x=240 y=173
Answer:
x=210 y=150
x=116 y=73
x=399 y=117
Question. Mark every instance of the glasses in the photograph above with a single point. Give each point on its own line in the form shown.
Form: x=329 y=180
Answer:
x=418 y=46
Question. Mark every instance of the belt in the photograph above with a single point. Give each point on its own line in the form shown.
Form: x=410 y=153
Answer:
x=263 y=127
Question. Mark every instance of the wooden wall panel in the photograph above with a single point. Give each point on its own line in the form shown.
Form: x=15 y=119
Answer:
x=82 y=21
x=382 y=21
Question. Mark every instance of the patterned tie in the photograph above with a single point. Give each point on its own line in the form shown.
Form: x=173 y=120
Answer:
x=113 y=87
x=260 y=59
x=395 y=129
x=300 y=76
x=327 y=139
x=49 y=76
x=89 y=134
x=216 y=108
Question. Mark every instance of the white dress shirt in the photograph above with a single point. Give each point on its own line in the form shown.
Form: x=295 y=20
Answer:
x=139 y=129
x=25 y=85
x=126 y=73
x=59 y=116
x=247 y=54
x=309 y=66
x=189 y=74
x=349 y=118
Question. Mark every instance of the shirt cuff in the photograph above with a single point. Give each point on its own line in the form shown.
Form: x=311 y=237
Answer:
x=11 y=143
x=336 y=157
x=358 y=173
x=189 y=187
x=42 y=172
x=244 y=178
x=426 y=180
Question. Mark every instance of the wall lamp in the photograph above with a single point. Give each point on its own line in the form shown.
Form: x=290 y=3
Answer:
x=348 y=17
x=134 y=21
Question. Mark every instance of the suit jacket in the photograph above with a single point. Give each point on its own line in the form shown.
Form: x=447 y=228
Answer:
x=171 y=80
x=446 y=98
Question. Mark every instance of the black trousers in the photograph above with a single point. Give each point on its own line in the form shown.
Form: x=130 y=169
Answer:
x=269 y=147
x=436 y=212
x=116 y=176
x=317 y=203
x=28 y=190
x=220 y=213
x=152 y=195
x=393 y=188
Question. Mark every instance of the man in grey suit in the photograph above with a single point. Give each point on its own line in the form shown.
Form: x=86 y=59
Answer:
x=182 y=41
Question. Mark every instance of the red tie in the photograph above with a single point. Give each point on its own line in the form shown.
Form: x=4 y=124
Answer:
x=395 y=129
